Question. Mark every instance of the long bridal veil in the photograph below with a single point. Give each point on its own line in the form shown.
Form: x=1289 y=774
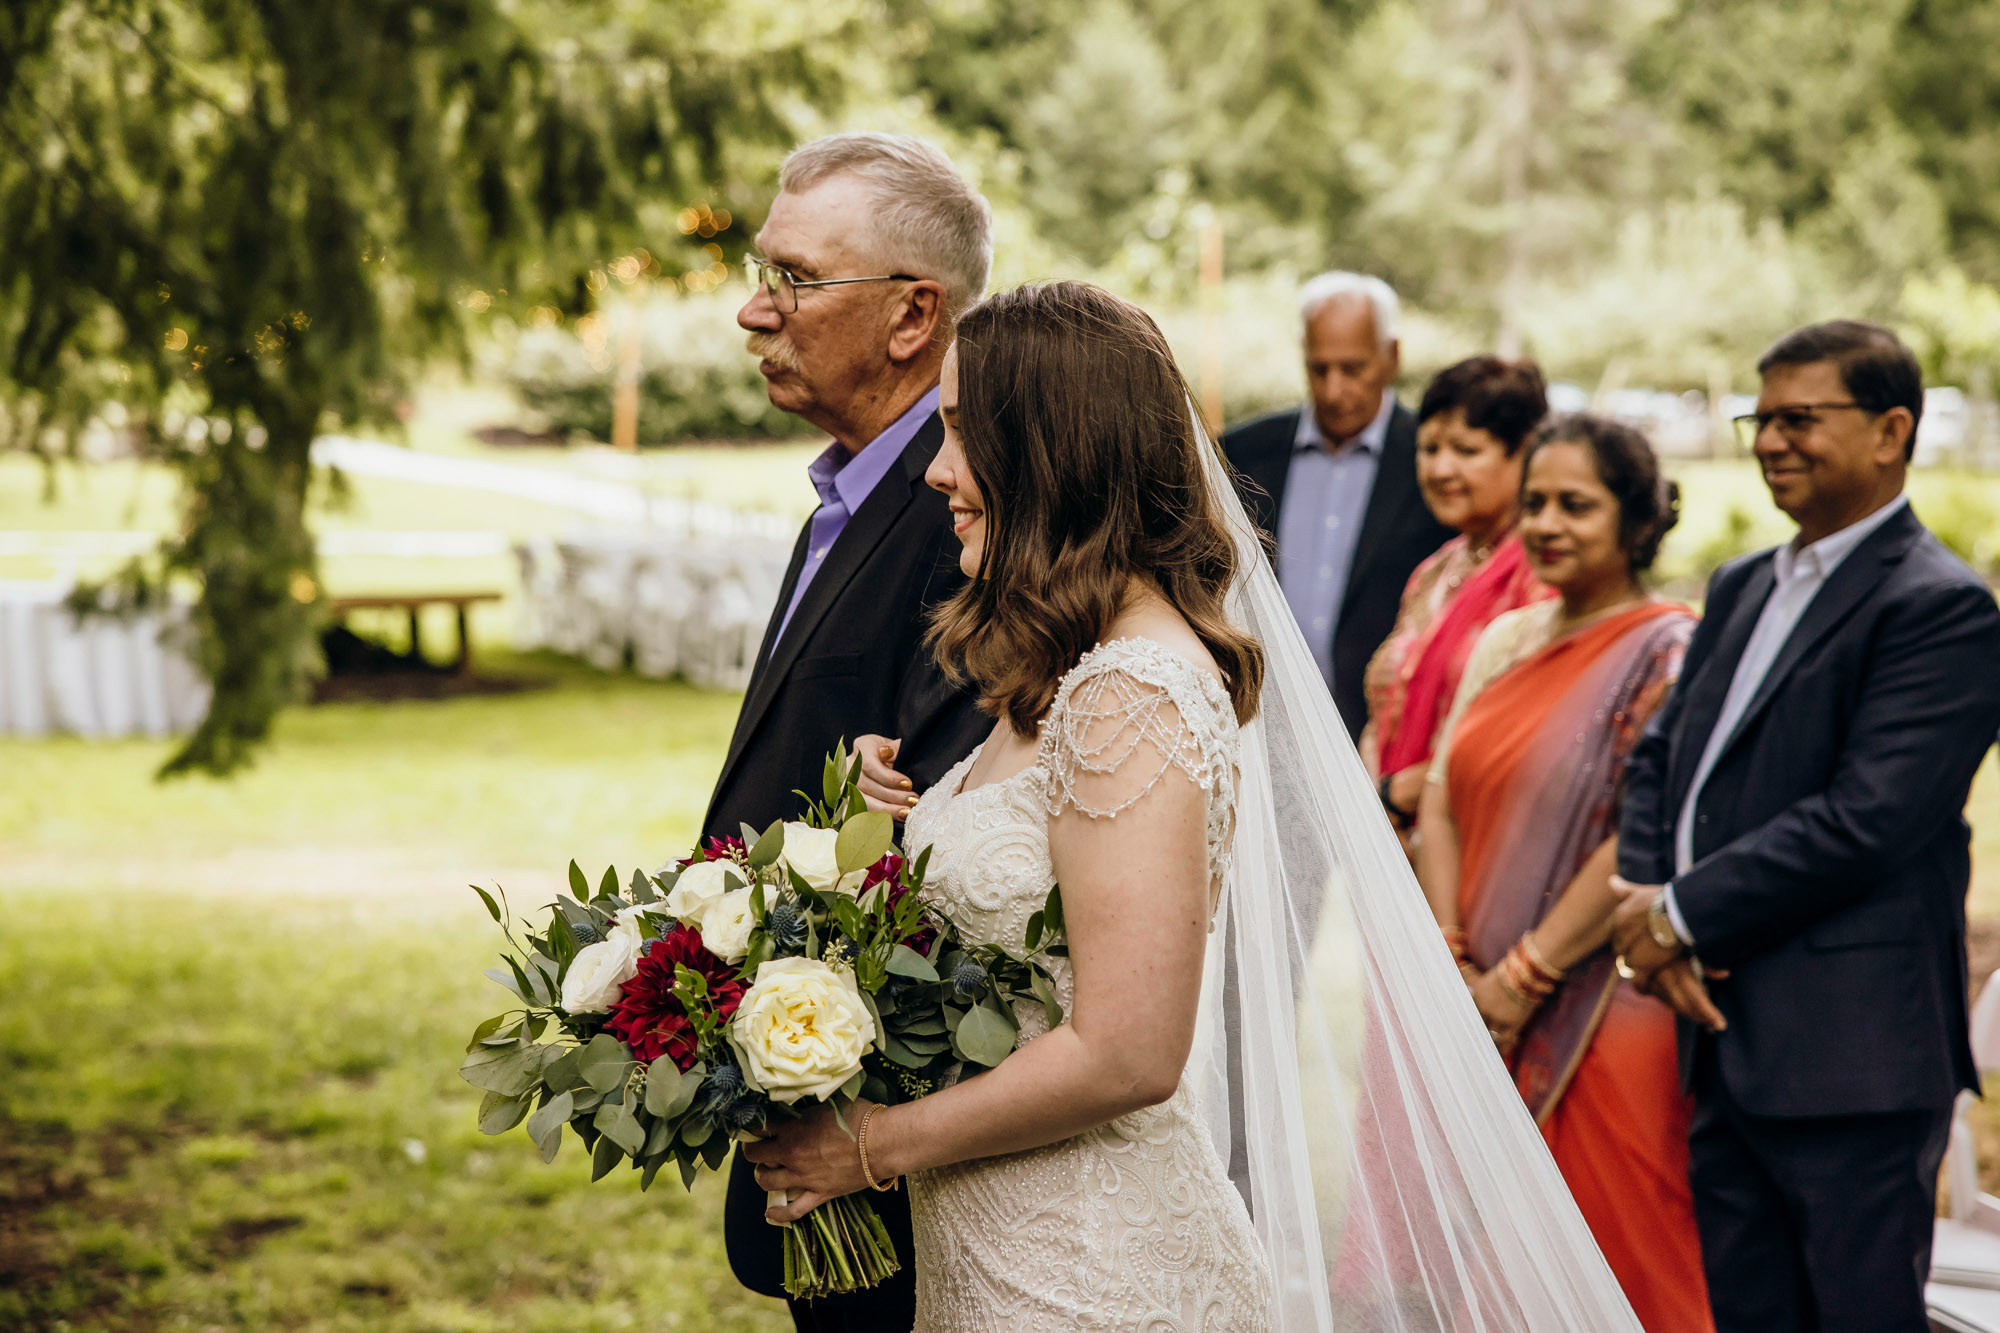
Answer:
x=1391 y=1169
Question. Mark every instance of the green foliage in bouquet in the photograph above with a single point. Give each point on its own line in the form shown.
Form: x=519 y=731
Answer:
x=660 y=1003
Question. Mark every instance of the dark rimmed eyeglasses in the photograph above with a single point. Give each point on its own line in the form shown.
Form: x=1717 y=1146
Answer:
x=1794 y=421
x=784 y=288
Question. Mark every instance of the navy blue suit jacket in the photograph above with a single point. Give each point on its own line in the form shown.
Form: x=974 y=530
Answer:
x=1831 y=852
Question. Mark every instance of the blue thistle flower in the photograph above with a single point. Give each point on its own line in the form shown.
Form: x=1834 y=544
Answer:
x=786 y=925
x=968 y=979
x=585 y=932
x=720 y=1093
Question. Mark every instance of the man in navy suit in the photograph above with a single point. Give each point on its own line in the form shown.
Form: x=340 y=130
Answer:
x=1794 y=857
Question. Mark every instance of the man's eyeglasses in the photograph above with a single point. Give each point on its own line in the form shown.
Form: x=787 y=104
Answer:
x=1794 y=421
x=784 y=288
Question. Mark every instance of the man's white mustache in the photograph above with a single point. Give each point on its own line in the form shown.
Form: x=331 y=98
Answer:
x=769 y=347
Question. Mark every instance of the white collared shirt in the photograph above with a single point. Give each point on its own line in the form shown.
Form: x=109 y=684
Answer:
x=1799 y=573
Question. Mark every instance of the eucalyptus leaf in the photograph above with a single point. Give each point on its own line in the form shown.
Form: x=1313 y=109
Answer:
x=621 y=1127
x=715 y=1151
x=505 y=978
x=564 y=1073
x=695 y=1131
x=608 y=886
x=561 y=938
x=750 y=835
x=550 y=1119
x=499 y=1113
x=661 y=1136
x=688 y=1170
x=485 y=1030
x=669 y=1091
x=768 y=847
x=604 y=1156
x=984 y=1037
x=907 y=962
x=509 y=1071
x=577 y=883
x=604 y=1062
x=653 y=1165
x=864 y=839
x=900 y=1054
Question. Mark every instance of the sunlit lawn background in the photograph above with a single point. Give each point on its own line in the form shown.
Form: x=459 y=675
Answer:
x=230 y=1013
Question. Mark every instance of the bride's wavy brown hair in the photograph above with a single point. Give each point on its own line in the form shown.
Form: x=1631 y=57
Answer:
x=1079 y=433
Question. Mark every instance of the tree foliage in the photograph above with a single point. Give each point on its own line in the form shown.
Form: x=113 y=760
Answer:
x=250 y=220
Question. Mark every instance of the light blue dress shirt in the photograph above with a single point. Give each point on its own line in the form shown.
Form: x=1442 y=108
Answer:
x=1798 y=573
x=843 y=481
x=1319 y=523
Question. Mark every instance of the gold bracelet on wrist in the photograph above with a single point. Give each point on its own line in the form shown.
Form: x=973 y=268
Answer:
x=1550 y=972
x=861 y=1143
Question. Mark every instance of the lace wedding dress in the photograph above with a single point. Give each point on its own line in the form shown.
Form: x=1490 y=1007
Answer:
x=1134 y=1224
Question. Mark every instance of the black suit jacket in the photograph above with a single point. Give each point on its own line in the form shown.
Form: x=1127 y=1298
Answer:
x=851 y=662
x=1831 y=852
x=1397 y=532
x=853 y=659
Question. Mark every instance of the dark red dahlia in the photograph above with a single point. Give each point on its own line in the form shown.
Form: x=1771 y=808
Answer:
x=889 y=870
x=649 y=1018
x=719 y=849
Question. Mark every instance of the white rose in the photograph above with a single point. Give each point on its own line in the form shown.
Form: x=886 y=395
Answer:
x=726 y=925
x=801 y=1029
x=591 y=984
x=700 y=886
x=809 y=851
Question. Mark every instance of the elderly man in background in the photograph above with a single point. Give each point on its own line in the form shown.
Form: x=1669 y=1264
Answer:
x=873 y=247
x=1335 y=483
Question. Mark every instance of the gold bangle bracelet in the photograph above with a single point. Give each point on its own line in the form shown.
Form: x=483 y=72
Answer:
x=861 y=1143
x=1550 y=972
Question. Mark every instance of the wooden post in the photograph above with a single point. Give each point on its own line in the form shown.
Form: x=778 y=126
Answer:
x=1210 y=374
x=625 y=394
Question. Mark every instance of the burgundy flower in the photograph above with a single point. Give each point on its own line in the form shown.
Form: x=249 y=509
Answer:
x=889 y=870
x=649 y=1018
x=719 y=849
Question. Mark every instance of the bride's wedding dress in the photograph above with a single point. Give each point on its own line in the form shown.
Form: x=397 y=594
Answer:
x=1134 y=1224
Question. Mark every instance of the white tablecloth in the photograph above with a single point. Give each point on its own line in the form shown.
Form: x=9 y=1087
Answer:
x=101 y=677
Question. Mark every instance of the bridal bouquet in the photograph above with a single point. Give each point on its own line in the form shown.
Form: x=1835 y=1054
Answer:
x=757 y=978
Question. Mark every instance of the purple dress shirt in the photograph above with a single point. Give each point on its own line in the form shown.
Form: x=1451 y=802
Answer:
x=843 y=481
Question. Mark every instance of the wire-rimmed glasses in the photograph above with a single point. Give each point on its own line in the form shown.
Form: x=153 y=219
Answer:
x=1794 y=420
x=784 y=288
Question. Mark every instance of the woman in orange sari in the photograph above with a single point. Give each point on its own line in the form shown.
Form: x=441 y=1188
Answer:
x=1520 y=816
x=1473 y=420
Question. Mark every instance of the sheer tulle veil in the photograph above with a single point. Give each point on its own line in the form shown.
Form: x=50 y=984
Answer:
x=1391 y=1169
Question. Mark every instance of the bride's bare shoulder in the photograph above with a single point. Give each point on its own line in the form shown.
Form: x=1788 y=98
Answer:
x=1157 y=620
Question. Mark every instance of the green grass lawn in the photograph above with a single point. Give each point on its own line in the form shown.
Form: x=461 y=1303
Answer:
x=231 y=1015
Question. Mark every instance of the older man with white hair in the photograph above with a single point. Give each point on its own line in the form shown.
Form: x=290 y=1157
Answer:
x=873 y=247
x=1335 y=483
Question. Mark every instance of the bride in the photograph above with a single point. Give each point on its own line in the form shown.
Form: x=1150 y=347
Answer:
x=1237 y=916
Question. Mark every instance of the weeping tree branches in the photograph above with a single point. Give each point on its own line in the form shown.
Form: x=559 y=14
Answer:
x=246 y=220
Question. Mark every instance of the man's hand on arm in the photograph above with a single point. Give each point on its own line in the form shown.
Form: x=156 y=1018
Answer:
x=882 y=786
x=1667 y=973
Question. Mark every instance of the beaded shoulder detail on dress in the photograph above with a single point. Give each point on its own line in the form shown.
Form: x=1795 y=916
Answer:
x=1128 y=696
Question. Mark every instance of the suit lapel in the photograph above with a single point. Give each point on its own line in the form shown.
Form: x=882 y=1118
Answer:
x=1848 y=587
x=1269 y=467
x=1708 y=691
x=857 y=541
x=1394 y=490
x=791 y=584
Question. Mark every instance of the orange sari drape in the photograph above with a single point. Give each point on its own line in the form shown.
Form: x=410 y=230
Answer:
x=1533 y=777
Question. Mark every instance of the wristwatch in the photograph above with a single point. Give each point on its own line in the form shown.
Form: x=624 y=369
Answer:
x=1660 y=926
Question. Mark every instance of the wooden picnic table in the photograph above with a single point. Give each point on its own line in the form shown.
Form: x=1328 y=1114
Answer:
x=412 y=603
